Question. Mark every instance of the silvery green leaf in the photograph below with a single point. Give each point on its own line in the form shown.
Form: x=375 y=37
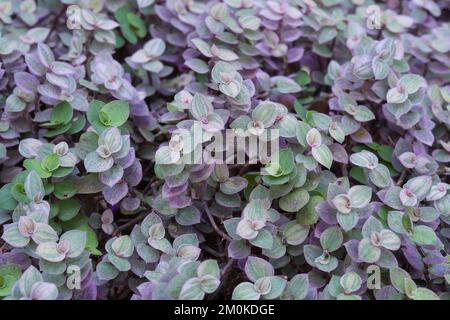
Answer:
x=123 y=246
x=29 y=147
x=94 y=163
x=288 y=126
x=209 y=284
x=263 y=240
x=398 y=277
x=155 y=47
x=188 y=216
x=155 y=66
x=326 y=264
x=380 y=68
x=323 y=155
x=202 y=46
x=255 y=210
x=443 y=205
x=120 y=263
x=367 y=252
x=363 y=114
x=285 y=85
x=371 y=225
x=425 y=294
x=423 y=235
x=45 y=54
x=112 y=139
x=336 y=132
x=112 y=176
x=380 y=176
x=188 y=251
x=43 y=291
x=365 y=159
x=77 y=241
x=347 y=220
x=294 y=201
x=161 y=245
x=396 y=95
x=412 y=82
x=263 y=285
x=246 y=230
x=295 y=233
x=256 y=268
x=420 y=186
x=201 y=106
x=53 y=268
x=266 y=112
x=250 y=22
x=44 y=233
x=166 y=155
x=209 y=267
x=298 y=287
x=238 y=249
x=192 y=290
x=395 y=222
x=34 y=186
x=408 y=198
x=147 y=253
x=428 y=214
x=15 y=104
x=327 y=34
x=245 y=291
x=278 y=249
x=277 y=285
x=13 y=237
x=313 y=138
x=311 y=253
x=28 y=279
x=331 y=239
x=106 y=271
x=360 y=196
x=49 y=251
x=390 y=240
x=226 y=55
x=351 y=282
x=197 y=65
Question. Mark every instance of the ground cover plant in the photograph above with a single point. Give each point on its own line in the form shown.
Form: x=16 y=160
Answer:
x=99 y=201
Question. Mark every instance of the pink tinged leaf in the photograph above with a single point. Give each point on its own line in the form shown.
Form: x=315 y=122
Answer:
x=133 y=174
x=34 y=64
x=26 y=82
x=45 y=54
x=116 y=193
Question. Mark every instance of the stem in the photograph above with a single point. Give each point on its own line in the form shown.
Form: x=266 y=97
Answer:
x=214 y=225
x=129 y=224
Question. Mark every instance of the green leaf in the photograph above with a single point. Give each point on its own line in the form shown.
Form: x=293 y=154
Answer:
x=68 y=209
x=298 y=286
x=62 y=113
x=35 y=165
x=137 y=24
x=357 y=173
x=93 y=116
x=7 y=201
x=9 y=274
x=245 y=291
x=114 y=114
x=51 y=162
x=65 y=189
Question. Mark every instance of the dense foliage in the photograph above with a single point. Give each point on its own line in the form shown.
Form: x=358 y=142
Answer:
x=97 y=198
